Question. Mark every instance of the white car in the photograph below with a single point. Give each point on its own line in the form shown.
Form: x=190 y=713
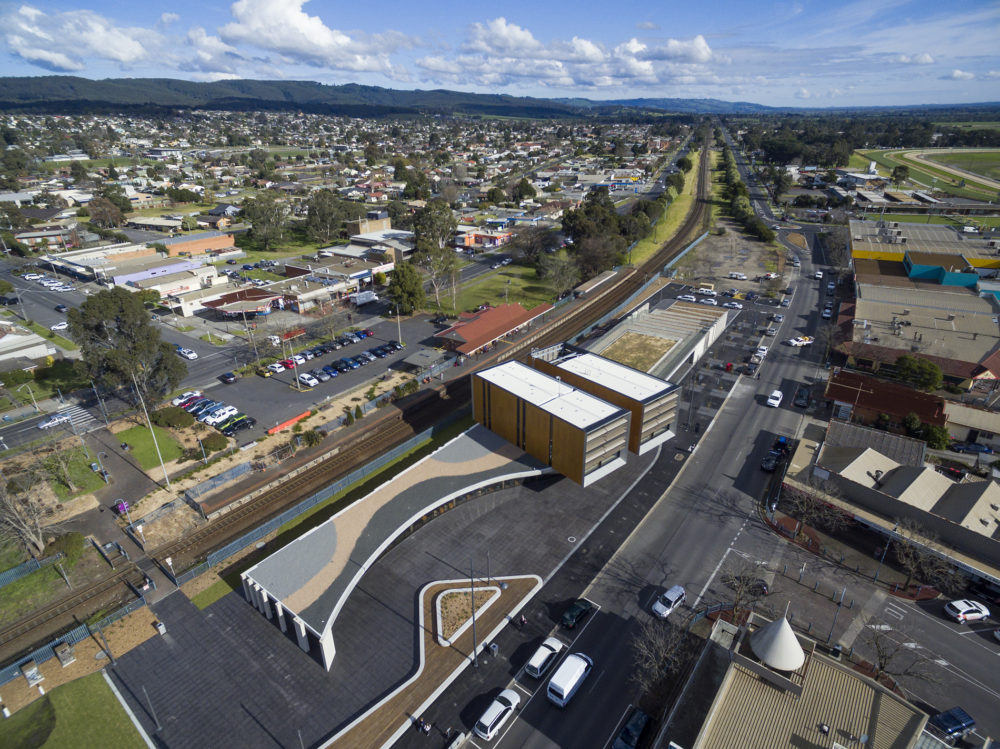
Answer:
x=53 y=420
x=666 y=603
x=60 y=326
x=966 y=611
x=818 y=275
x=184 y=396
x=774 y=399
x=686 y=298
x=770 y=276
x=308 y=380
x=276 y=367
x=827 y=313
x=709 y=301
x=544 y=657
x=496 y=714
x=706 y=292
x=733 y=305
x=31 y=276
x=221 y=415
x=762 y=351
x=298 y=358
x=62 y=287
x=805 y=340
x=187 y=353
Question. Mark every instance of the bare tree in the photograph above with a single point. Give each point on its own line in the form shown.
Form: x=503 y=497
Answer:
x=914 y=548
x=56 y=464
x=22 y=514
x=810 y=509
x=659 y=650
x=743 y=579
x=893 y=654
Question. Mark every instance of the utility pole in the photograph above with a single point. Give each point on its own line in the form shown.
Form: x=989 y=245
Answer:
x=156 y=444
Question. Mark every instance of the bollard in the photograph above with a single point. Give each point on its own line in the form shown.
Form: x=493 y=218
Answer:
x=816 y=586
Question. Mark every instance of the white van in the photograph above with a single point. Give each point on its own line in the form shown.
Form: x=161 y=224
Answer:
x=568 y=678
x=738 y=276
x=706 y=292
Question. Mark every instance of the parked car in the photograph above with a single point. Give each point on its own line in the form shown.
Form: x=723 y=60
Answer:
x=61 y=308
x=687 y=298
x=497 y=714
x=331 y=370
x=184 y=396
x=801 y=399
x=220 y=416
x=395 y=345
x=628 y=737
x=248 y=423
x=274 y=368
x=954 y=724
x=543 y=657
x=709 y=301
x=298 y=358
x=732 y=305
x=196 y=403
x=576 y=612
x=308 y=380
x=966 y=611
x=228 y=377
x=969 y=447
x=665 y=604
x=320 y=375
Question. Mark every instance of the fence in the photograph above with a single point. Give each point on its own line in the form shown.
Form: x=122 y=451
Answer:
x=75 y=635
x=26 y=568
x=211 y=484
x=222 y=554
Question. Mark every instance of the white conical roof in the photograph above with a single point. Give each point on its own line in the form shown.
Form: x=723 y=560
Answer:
x=777 y=646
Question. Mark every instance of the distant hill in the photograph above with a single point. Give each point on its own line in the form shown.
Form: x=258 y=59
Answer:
x=64 y=94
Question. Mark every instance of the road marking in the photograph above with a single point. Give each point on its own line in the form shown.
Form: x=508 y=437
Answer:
x=719 y=565
x=524 y=689
x=895 y=611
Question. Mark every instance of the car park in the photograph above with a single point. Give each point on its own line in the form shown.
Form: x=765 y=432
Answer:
x=969 y=447
x=774 y=399
x=576 y=613
x=966 y=611
x=187 y=353
x=184 y=397
x=544 y=656
x=665 y=603
x=54 y=420
x=687 y=298
x=628 y=737
x=492 y=720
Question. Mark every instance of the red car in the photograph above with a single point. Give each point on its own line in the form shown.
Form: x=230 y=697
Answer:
x=369 y=332
x=287 y=363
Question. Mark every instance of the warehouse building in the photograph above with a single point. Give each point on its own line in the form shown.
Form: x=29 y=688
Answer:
x=577 y=434
x=651 y=401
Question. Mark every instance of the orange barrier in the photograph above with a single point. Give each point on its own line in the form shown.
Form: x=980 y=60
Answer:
x=286 y=424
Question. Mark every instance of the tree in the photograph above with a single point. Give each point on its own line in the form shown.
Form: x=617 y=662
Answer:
x=434 y=225
x=676 y=181
x=417 y=187
x=325 y=217
x=441 y=264
x=406 y=288
x=523 y=190
x=116 y=195
x=529 y=243
x=22 y=514
x=104 y=213
x=808 y=507
x=893 y=654
x=268 y=217
x=684 y=164
x=922 y=374
x=745 y=585
x=79 y=173
x=189 y=223
x=659 y=650
x=599 y=253
x=119 y=346
x=900 y=174
x=561 y=273
x=936 y=436
x=496 y=195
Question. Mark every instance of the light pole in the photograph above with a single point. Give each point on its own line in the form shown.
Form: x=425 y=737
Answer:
x=472 y=603
x=156 y=444
x=104 y=411
x=104 y=474
x=399 y=329
x=141 y=534
x=885 y=551
x=170 y=564
x=31 y=393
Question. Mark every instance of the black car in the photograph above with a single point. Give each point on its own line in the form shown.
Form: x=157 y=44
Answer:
x=440 y=320
x=770 y=461
x=576 y=613
x=342 y=366
x=248 y=423
x=228 y=377
x=61 y=308
x=379 y=352
x=801 y=398
x=396 y=345
x=628 y=737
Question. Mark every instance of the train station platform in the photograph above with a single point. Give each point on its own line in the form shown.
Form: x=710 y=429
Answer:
x=304 y=585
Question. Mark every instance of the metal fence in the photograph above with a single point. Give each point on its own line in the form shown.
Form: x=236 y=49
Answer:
x=222 y=554
x=26 y=568
x=75 y=635
x=211 y=484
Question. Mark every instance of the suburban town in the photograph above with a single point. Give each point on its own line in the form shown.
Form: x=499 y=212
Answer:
x=501 y=421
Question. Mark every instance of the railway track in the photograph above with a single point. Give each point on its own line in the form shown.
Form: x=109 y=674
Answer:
x=70 y=609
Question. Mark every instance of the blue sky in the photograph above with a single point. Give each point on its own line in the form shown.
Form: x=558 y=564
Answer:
x=795 y=53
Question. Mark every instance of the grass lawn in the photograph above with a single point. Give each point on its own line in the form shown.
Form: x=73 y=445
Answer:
x=525 y=289
x=11 y=555
x=860 y=162
x=57 y=339
x=29 y=592
x=676 y=213
x=141 y=442
x=177 y=208
x=985 y=163
x=322 y=512
x=929 y=178
x=992 y=125
x=84 y=480
x=82 y=713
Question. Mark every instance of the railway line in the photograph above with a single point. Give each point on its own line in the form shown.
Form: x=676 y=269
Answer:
x=390 y=427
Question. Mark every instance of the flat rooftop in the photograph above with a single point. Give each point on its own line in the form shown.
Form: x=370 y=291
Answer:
x=936 y=239
x=557 y=398
x=630 y=382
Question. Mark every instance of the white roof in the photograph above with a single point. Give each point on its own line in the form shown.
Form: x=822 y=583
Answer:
x=636 y=385
x=557 y=398
x=777 y=646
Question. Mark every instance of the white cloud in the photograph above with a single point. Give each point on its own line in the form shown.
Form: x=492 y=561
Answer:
x=500 y=37
x=802 y=93
x=282 y=27
x=920 y=59
x=647 y=26
x=168 y=18
x=689 y=50
x=960 y=75
x=64 y=41
x=992 y=74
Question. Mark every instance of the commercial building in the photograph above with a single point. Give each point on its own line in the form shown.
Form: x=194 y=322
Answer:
x=476 y=331
x=577 y=434
x=868 y=400
x=651 y=401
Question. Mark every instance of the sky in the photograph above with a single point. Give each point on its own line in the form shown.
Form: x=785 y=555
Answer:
x=787 y=53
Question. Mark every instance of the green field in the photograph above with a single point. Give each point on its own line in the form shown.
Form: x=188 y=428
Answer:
x=990 y=125
x=524 y=288
x=144 y=451
x=984 y=163
x=927 y=177
x=82 y=713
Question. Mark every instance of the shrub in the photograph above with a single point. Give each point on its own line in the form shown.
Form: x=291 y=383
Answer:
x=358 y=413
x=16 y=377
x=172 y=416
x=70 y=544
x=311 y=438
x=215 y=442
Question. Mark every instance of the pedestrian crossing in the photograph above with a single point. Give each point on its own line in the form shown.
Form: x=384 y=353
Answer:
x=81 y=417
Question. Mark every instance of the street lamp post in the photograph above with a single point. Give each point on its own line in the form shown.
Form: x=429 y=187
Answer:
x=156 y=444
x=885 y=551
x=170 y=564
x=100 y=401
x=104 y=474
x=472 y=597
x=141 y=534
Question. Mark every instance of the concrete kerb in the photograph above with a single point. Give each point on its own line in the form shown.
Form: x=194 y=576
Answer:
x=128 y=710
x=466 y=662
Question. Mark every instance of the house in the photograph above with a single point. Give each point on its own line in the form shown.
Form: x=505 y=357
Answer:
x=225 y=209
